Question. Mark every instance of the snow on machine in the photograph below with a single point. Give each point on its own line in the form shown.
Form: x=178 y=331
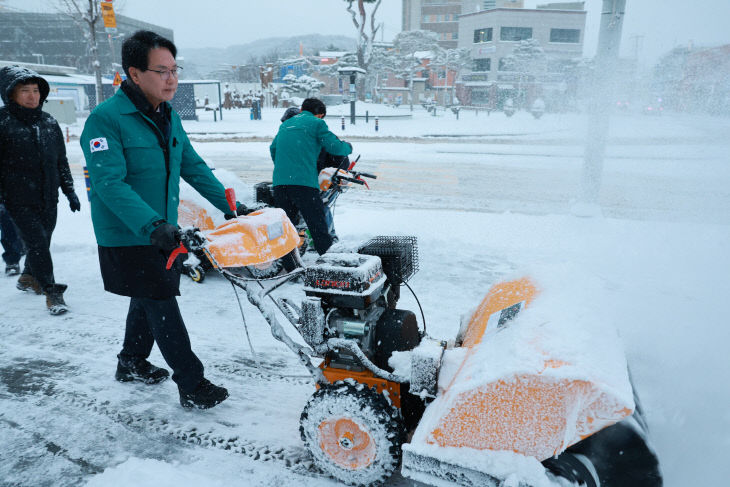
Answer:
x=518 y=398
x=261 y=257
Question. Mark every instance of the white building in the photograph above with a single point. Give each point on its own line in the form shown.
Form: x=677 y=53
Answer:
x=442 y=16
x=491 y=35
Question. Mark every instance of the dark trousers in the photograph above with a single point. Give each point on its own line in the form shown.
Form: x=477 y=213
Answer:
x=159 y=320
x=12 y=244
x=36 y=228
x=305 y=200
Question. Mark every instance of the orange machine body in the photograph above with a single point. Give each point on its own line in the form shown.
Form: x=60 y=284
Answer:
x=254 y=239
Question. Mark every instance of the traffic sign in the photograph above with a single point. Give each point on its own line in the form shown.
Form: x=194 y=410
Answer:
x=110 y=20
x=117 y=79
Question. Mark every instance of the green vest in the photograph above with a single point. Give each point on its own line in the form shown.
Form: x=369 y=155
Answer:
x=130 y=185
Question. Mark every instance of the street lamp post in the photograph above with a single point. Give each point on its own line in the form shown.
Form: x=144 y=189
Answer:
x=352 y=72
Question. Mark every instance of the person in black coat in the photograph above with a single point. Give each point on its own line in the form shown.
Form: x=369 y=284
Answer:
x=13 y=247
x=33 y=166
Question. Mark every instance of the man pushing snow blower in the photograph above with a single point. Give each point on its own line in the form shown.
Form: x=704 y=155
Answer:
x=294 y=151
x=136 y=152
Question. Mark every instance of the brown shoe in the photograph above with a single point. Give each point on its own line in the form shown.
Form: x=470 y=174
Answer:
x=54 y=299
x=27 y=282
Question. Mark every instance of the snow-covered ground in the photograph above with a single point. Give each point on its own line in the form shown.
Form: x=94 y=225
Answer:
x=490 y=200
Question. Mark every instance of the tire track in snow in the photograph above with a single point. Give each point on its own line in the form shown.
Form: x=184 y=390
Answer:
x=297 y=459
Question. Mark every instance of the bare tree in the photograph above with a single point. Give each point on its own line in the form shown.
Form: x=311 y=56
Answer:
x=86 y=15
x=365 y=38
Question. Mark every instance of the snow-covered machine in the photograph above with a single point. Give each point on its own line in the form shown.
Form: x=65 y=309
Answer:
x=516 y=399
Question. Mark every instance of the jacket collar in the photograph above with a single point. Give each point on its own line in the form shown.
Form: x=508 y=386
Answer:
x=132 y=100
x=125 y=104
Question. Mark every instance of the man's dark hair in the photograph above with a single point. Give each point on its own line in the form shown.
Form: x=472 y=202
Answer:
x=136 y=49
x=314 y=106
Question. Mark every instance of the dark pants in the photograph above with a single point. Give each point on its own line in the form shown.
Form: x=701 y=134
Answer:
x=305 y=200
x=159 y=320
x=12 y=244
x=36 y=228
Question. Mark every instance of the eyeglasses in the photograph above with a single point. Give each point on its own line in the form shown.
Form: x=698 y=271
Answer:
x=166 y=73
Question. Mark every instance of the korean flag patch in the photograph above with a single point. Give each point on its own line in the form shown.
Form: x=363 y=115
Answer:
x=99 y=144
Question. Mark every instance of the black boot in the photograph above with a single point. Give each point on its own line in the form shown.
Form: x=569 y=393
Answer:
x=12 y=269
x=139 y=369
x=26 y=282
x=54 y=299
x=204 y=396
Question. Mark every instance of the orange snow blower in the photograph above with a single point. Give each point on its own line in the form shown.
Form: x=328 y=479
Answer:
x=519 y=398
x=254 y=241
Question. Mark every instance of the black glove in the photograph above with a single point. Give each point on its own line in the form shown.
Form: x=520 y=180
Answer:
x=165 y=236
x=73 y=201
x=241 y=209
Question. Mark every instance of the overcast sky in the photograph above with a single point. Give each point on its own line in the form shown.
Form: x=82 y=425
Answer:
x=661 y=24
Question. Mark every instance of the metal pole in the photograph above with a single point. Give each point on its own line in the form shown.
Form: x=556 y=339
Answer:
x=353 y=96
x=609 y=41
x=220 y=101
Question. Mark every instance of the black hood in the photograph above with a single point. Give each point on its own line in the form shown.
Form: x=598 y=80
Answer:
x=289 y=113
x=10 y=76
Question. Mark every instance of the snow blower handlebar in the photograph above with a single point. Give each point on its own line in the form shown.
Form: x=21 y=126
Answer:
x=190 y=240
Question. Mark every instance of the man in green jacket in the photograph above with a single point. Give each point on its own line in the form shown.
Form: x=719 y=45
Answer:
x=296 y=181
x=136 y=151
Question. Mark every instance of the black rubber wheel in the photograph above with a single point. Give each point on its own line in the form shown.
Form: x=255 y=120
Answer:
x=197 y=273
x=352 y=432
x=574 y=467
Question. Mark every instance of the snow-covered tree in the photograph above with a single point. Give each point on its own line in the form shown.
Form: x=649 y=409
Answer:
x=86 y=15
x=382 y=62
x=365 y=37
x=304 y=83
x=408 y=45
x=528 y=61
x=454 y=60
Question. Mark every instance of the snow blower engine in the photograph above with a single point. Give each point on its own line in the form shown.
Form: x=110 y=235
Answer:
x=353 y=296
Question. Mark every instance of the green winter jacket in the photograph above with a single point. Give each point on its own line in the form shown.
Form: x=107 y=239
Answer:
x=296 y=147
x=130 y=187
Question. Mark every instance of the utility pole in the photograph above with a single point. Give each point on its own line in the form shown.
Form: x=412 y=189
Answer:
x=606 y=62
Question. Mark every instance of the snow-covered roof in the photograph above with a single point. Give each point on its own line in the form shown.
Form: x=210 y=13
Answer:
x=424 y=54
x=332 y=53
x=351 y=69
x=42 y=69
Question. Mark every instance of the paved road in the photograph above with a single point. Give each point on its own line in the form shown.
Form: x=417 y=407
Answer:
x=678 y=180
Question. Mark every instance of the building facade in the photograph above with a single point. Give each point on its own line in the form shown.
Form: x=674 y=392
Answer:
x=55 y=39
x=442 y=16
x=491 y=36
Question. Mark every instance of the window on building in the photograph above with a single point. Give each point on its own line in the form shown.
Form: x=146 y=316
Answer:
x=483 y=35
x=483 y=64
x=455 y=35
x=426 y=19
x=502 y=65
x=514 y=34
x=565 y=35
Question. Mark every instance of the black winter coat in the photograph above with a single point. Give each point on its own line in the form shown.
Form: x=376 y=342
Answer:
x=33 y=162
